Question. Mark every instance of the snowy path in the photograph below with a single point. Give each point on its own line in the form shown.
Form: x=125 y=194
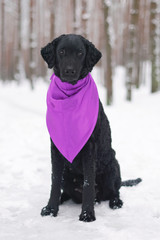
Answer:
x=25 y=172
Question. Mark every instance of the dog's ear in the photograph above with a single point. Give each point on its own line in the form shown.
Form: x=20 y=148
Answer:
x=49 y=52
x=93 y=55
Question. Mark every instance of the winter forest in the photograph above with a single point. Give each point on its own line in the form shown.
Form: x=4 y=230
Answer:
x=127 y=32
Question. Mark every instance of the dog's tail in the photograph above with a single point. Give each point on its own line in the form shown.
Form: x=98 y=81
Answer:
x=131 y=183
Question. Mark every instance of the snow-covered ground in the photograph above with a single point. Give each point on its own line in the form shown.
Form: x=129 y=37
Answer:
x=25 y=170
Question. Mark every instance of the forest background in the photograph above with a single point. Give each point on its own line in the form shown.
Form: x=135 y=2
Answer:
x=127 y=32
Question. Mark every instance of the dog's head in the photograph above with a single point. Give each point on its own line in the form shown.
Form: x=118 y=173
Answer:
x=71 y=56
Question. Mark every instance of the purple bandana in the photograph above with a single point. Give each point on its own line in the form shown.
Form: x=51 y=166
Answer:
x=72 y=112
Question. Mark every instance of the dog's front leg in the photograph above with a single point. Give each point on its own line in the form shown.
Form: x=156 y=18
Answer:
x=56 y=178
x=87 y=214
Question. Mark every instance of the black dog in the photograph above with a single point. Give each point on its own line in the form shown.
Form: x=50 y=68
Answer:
x=94 y=174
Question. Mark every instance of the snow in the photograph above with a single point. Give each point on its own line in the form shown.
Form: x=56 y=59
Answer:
x=25 y=169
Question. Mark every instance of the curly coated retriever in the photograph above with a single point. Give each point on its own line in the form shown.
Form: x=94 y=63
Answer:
x=94 y=175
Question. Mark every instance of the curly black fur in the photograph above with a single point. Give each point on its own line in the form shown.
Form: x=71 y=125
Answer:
x=94 y=174
x=131 y=183
x=82 y=64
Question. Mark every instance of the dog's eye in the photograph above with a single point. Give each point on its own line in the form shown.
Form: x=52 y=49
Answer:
x=61 y=52
x=80 y=53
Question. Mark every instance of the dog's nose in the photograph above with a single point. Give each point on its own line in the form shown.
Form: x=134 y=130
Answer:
x=70 y=71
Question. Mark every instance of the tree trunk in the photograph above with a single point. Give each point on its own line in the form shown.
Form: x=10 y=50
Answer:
x=154 y=76
x=84 y=18
x=52 y=18
x=132 y=67
x=31 y=44
x=3 y=55
x=19 y=47
x=108 y=81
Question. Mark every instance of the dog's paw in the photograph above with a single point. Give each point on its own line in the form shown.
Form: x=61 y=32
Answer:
x=115 y=203
x=46 y=211
x=87 y=216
